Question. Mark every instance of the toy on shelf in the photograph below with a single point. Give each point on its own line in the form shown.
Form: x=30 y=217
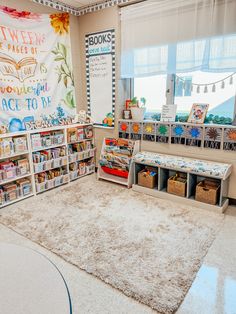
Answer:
x=115 y=160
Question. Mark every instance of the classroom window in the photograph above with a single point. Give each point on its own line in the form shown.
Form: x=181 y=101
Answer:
x=221 y=100
x=153 y=88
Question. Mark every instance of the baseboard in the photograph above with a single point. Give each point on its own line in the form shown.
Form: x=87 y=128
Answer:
x=232 y=201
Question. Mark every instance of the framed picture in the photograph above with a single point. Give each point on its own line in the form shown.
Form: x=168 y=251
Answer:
x=198 y=113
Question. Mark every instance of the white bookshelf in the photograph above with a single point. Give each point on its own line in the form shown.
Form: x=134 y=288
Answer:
x=101 y=174
x=64 y=161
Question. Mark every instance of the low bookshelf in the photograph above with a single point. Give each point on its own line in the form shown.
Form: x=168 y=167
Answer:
x=194 y=171
x=32 y=162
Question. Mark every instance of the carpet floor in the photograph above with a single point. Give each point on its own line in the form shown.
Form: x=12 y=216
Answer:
x=150 y=249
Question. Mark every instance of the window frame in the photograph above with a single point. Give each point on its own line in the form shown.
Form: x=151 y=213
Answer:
x=170 y=93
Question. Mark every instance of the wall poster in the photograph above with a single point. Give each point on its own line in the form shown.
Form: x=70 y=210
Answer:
x=101 y=77
x=36 y=79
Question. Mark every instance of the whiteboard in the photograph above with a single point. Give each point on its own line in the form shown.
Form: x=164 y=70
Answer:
x=100 y=75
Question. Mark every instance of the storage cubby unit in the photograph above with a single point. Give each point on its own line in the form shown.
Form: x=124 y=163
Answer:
x=193 y=171
x=32 y=162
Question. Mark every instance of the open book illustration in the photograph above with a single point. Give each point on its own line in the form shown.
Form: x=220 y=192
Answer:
x=22 y=70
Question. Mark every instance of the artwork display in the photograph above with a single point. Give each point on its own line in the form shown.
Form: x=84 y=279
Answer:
x=124 y=129
x=206 y=136
x=36 y=78
x=136 y=131
x=162 y=133
x=229 y=139
x=149 y=132
x=178 y=134
x=212 y=137
x=198 y=113
x=194 y=136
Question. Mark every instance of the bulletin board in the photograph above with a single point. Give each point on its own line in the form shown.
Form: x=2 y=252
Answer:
x=101 y=77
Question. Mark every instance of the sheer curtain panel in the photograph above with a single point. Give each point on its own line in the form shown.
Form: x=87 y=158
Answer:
x=172 y=36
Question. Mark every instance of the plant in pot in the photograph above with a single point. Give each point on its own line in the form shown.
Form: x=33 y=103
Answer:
x=137 y=107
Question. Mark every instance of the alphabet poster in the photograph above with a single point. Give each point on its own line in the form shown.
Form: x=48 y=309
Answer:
x=36 y=78
x=100 y=74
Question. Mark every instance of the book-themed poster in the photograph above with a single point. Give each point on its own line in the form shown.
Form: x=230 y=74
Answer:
x=36 y=78
x=100 y=75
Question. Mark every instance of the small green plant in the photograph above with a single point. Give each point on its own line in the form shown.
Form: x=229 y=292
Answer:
x=140 y=103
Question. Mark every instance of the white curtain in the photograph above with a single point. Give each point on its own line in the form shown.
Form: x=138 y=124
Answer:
x=173 y=36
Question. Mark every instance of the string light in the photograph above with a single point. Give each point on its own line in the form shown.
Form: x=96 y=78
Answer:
x=231 y=80
x=223 y=84
x=205 y=89
x=198 y=89
x=213 y=88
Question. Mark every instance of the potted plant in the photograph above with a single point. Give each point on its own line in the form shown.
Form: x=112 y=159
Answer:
x=138 y=109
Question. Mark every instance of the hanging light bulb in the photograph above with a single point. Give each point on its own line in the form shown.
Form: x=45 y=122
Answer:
x=213 y=88
x=223 y=84
x=198 y=89
x=205 y=89
x=231 y=80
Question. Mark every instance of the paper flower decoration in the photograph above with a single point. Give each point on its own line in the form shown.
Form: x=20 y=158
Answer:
x=135 y=127
x=212 y=133
x=231 y=134
x=178 y=130
x=123 y=127
x=163 y=129
x=60 y=23
x=194 y=132
x=148 y=128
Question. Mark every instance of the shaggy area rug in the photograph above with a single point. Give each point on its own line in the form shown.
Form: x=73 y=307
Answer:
x=148 y=248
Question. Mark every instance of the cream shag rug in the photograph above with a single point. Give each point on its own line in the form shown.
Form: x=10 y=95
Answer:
x=148 y=248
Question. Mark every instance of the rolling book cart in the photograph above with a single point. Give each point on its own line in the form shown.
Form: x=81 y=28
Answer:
x=32 y=162
x=115 y=160
x=191 y=174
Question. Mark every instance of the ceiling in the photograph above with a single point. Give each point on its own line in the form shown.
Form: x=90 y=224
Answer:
x=80 y=3
x=80 y=7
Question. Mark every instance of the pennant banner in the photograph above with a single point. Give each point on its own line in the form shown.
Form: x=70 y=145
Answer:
x=36 y=79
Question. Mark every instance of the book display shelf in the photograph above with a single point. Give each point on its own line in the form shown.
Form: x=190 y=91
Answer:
x=32 y=162
x=115 y=160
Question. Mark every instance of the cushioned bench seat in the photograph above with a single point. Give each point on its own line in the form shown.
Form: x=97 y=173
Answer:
x=195 y=166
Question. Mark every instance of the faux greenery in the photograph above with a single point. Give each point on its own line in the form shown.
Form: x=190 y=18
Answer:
x=136 y=102
x=215 y=119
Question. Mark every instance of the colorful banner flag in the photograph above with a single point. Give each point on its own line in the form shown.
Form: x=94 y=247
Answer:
x=36 y=78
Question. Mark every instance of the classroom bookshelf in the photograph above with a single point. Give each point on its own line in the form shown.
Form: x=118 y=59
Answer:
x=35 y=161
x=115 y=160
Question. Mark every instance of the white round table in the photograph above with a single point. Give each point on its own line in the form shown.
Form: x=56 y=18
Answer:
x=30 y=283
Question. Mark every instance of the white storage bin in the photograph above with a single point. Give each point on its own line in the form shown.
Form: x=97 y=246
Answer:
x=74 y=175
x=39 y=167
x=50 y=184
x=64 y=161
x=92 y=152
x=47 y=165
x=56 y=163
x=58 y=180
x=73 y=157
x=65 y=178
x=40 y=187
x=80 y=156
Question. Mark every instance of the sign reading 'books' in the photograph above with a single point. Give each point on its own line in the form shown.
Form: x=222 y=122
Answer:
x=36 y=79
x=100 y=73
